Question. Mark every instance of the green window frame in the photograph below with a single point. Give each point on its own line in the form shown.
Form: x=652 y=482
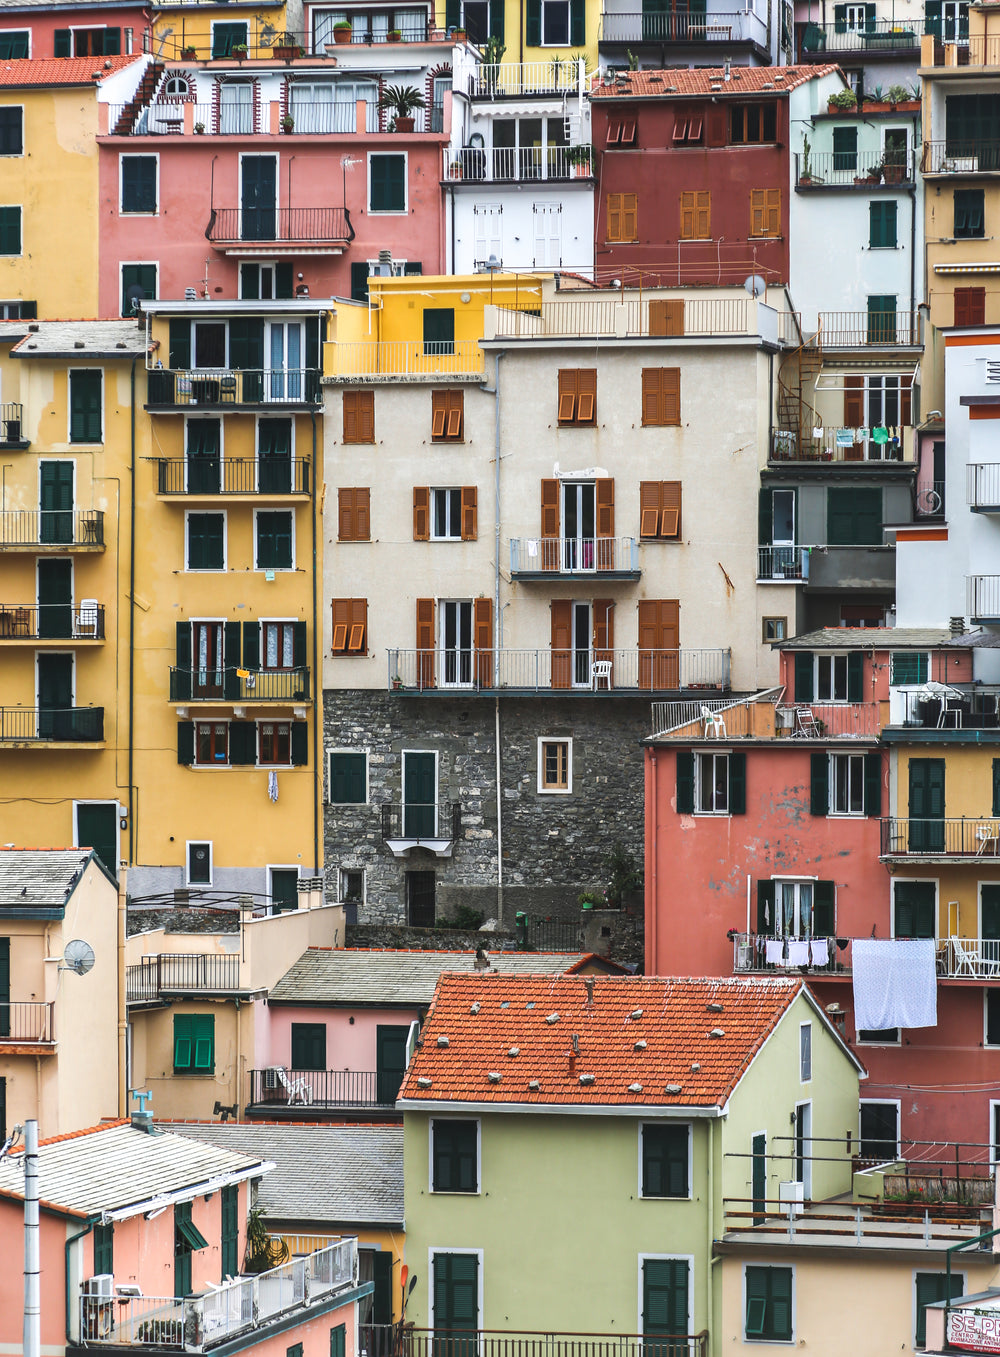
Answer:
x=882 y=224
x=273 y=539
x=138 y=275
x=138 y=184
x=908 y=666
x=86 y=390
x=930 y=1287
x=206 y=542
x=454 y=1155
x=338 y=1341
x=194 y=1043
x=387 y=182
x=10 y=230
x=12 y=130
x=226 y=36
x=768 y=1314
x=294 y=1351
x=665 y=1155
x=348 y=778
x=104 y=1249
x=970 y=214
x=308 y=1045
x=845 y=148
x=230 y=1230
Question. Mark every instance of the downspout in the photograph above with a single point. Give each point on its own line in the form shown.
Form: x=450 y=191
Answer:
x=131 y=634
x=652 y=878
x=318 y=688
x=91 y=1222
x=121 y=1004
x=711 y=1224
x=496 y=625
x=913 y=249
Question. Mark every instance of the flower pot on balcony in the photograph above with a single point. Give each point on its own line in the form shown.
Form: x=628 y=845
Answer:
x=285 y=53
x=455 y=170
x=394 y=35
x=341 y=33
x=405 y=124
x=188 y=54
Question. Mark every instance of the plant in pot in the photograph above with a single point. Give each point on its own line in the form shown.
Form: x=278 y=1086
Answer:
x=490 y=71
x=897 y=94
x=188 y=53
x=200 y=129
x=287 y=124
x=395 y=35
x=455 y=169
x=844 y=101
x=404 y=100
x=579 y=158
x=458 y=34
x=285 y=47
x=239 y=51
x=342 y=31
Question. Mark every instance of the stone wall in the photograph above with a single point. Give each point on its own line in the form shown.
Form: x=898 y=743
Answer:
x=393 y=936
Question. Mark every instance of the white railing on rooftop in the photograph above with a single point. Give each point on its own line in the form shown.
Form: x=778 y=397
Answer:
x=528 y=77
x=404 y=358
x=628 y=317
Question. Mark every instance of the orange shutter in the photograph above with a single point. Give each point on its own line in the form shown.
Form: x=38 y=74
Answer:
x=649 y=508
x=341 y=609
x=362 y=514
x=687 y=216
x=550 y=508
x=658 y=641
x=603 y=613
x=469 y=513
x=421 y=513
x=356 y=641
x=345 y=515
x=567 y=394
x=482 y=625
x=350 y=417
x=650 y=396
x=854 y=402
x=586 y=385
x=562 y=640
x=614 y=231
x=366 y=416
x=772 y=224
x=350 y=625
x=425 y=642
x=456 y=410
x=666 y=319
x=630 y=216
x=605 y=498
x=757 y=204
x=703 y=216
x=670 y=395
x=718 y=128
x=439 y=413
x=670 y=509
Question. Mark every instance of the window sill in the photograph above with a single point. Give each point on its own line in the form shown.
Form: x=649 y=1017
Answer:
x=454 y=1192
x=555 y=791
x=194 y=1074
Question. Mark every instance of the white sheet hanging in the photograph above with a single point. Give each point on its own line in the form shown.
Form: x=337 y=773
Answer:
x=895 y=983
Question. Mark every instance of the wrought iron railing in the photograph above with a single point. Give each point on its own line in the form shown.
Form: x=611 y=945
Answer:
x=231 y=684
x=294 y=224
x=961 y=157
x=852 y=329
x=512 y=164
x=52 y=724
x=421 y=820
x=401 y=357
x=783 y=563
x=233 y=475
x=757 y=952
x=945 y=836
x=983 y=602
x=278 y=1086
x=178 y=972
x=549 y=935
x=27 y=1021
x=52 y=621
x=52 y=527
x=866 y=36
x=582 y=670
x=952 y=706
x=11 y=423
x=683 y=26
x=862 y=169
x=390 y=1340
x=244 y=386
x=574 y=555
x=928 y=499
x=785 y=447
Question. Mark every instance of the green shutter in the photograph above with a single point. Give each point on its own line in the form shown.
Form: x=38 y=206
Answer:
x=913 y=909
x=497 y=19
x=85 y=405
x=664 y=1297
x=185 y=741
x=854 y=516
x=104 y=1249
x=932 y=1287
x=242 y=744
x=819 y=783
x=738 y=782
x=347 y=779
x=62 y=41
x=388 y=183
x=456 y=1291
x=453 y=14
x=251 y=645
x=138 y=275
x=824 y=909
x=182 y=677
x=845 y=148
x=338 y=1335
x=932 y=18
x=10 y=230
x=840 y=18
x=250 y=282
x=300 y=743
x=206 y=541
x=203 y=1038
x=182 y=1042
x=882 y=225
x=179 y=345
x=803 y=676
x=284 y=282
x=685 y=782
x=989 y=922
x=765 y=908
x=873 y=783
x=533 y=23
x=246 y=344
x=780 y=1304
x=359 y=282
x=230 y=1230
x=665 y=1160
x=299 y=653
x=274 y=540
x=577 y=23
x=855 y=676
x=765 y=519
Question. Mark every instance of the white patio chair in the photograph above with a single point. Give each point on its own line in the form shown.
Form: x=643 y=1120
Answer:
x=298 y=1090
x=967 y=959
x=600 y=671
x=715 y=722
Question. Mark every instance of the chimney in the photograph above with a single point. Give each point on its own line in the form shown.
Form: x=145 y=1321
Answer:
x=589 y=983
x=956 y=625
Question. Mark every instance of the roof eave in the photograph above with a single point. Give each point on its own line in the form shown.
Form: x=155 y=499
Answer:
x=681 y=1112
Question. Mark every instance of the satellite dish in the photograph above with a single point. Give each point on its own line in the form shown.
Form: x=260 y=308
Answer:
x=78 y=956
x=755 y=285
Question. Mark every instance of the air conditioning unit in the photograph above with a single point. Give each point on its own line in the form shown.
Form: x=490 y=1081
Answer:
x=128 y=1291
x=271 y=1079
x=791 y=1194
x=103 y=1285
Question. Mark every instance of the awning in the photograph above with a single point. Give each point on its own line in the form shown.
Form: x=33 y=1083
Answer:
x=191 y=1233
x=967 y=268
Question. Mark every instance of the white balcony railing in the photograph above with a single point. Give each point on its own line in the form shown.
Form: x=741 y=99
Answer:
x=509 y=164
x=614 y=317
x=574 y=555
x=971 y=958
x=557 y=76
x=405 y=358
x=983 y=485
x=574 y=669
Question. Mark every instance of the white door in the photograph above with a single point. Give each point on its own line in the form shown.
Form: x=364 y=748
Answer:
x=455 y=642
x=236 y=109
x=578 y=525
x=489 y=232
x=548 y=235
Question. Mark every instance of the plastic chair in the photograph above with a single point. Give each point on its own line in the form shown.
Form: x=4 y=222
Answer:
x=714 y=722
x=86 y=618
x=600 y=669
x=805 y=723
x=298 y=1090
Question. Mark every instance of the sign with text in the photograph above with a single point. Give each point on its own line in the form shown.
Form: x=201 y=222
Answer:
x=974 y=1330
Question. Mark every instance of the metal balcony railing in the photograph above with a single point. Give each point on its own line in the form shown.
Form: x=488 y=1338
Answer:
x=853 y=169
x=554 y=670
x=869 y=35
x=182 y=972
x=508 y=164
x=962 y=157
x=229 y=225
x=964 y=837
x=970 y=958
x=857 y=329
x=51 y=527
x=52 y=725
x=928 y=499
x=52 y=621
x=388 y=1340
x=276 y=1086
x=574 y=555
x=681 y=26
x=983 y=486
x=785 y=447
x=983 y=598
x=558 y=76
x=952 y=706
x=11 y=423
x=757 y=953
x=400 y=357
x=27 y=1022
x=233 y=684
x=417 y=820
x=783 y=563
x=761 y=717
x=233 y=476
x=245 y=386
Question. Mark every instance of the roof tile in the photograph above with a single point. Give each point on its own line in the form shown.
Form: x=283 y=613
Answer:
x=680 y=84
x=19 y=72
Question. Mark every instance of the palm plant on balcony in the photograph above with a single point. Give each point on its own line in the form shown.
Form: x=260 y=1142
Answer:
x=263 y=1251
x=405 y=100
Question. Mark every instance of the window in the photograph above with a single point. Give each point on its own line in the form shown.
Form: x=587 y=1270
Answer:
x=666 y=1293
x=11 y=130
x=227 y=36
x=420 y=899
x=194 y=1043
x=274 y=743
x=230 y=1230
x=448 y=416
x=661 y=398
x=888 y=1036
x=454 y=1156
x=831 y=678
x=970 y=306
x=387 y=183
x=688 y=124
x=845 y=149
x=177 y=87
x=350 y=626
x=992 y=1028
x=308 y=1046
x=555 y=765
x=14 y=44
x=439 y=331
x=881 y=319
x=338 y=1341
x=797 y=910
x=278 y=645
x=273 y=540
x=211 y=743
x=768 y=1311
x=578 y=396
x=847 y=784
x=660 y=510
x=805 y=1053
x=908 y=666
x=753 y=123
x=10 y=230
x=187 y=1238
x=914 y=906
x=929 y=1288
x=352 y=885
x=713 y=778
x=104 y=1249
x=765 y=212
x=879 y=1130
x=354 y=514
x=359 y=416
x=206 y=542
x=199 y=864
x=87 y=42
x=456 y=1282
x=138 y=180
x=138 y=284
x=283 y=888
x=348 y=778
x=556 y=23
x=970 y=216
x=665 y=1153
x=621 y=131
x=623 y=216
x=773 y=629
x=882 y=225
x=85 y=413
x=696 y=216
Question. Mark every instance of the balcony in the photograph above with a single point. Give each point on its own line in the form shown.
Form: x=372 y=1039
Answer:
x=926 y=1225
x=928 y=499
x=233 y=684
x=222 y=476
x=52 y=622
x=11 y=425
x=682 y=27
x=170 y=974
x=168 y=118
x=951 y=157
x=549 y=558
x=861 y=569
x=867 y=329
x=56 y=530
x=508 y=165
x=983 y=487
x=781 y=564
x=969 y=958
x=245 y=388
x=26 y=1024
x=538 y=671
x=433 y=826
x=853 y=169
x=944 y=707
x=763 y=717
x=397 y=359
x=757 y=954
x=201 y=1323
x=983 y=598
x=387 y=1340
x=518 y=79
x=891 y=36
x=949 y=839
x=51 y=725
x=785 y=447
x=277 y=1091
x=618 y=317
x=241 y=229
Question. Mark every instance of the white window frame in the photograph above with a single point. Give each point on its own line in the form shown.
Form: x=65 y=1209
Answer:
x=543 y=740
x=569 y=21
x=442 y=651
x=30 y=43
x=432 y=1191
x=455 y=536
x=640 y=1195
x=203 y=570
x=805 y=1039
x=902 y=127
x=99 y=801
x=209 y=767
x=38 y=488
x=432 y=1251
x=262 y=643
x=699 y=758
x=278 y=721
x=280 y=867
x=915 y=880
x=69 y=408
x=18 y=155
x=798 y=882
x=832 y=813
x=181 y=78
x=277 y=569
x=893 y=1102
x=664 y=1258
x=992 y=1139
x=137 y=155
x=779 y=1342
x=49 y=650
x=136 y=263
x=189 y=843
x=341 y=871
x=342 y=749
x=388 y=212
x=830 y=657
x=913 y=1292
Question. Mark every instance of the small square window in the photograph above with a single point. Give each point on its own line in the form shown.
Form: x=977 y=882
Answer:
x=454 y=1156
x=555 y=765
x=348 y=778
x=577 y=393
x=448 y=416
x=387 y=180
x=350 y=626
x=274 y=540
x=352 y=885
x=908 y=666
x=139 y=174
x=308 y=1046
x=665 y=1154
x=194 y=1044
x=774 y=629
x=211 y=744
x=206 y=542
x=768 y=1304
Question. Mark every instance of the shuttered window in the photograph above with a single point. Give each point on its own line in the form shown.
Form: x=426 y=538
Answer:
x=10 y=230
x=206 y=542
x=696 y=216
x=578 y=396
x=769 y=1304
x=387 y=177
x=970 y=215
x=660 y=510
x=274 y=540
x=765 y=212
x=913 y=906
x=665 y=1159
x=970 y=306
x=455 y=1155
x=623 y=216
x=354 y=514
x=359 y=416
x=194 y=1043
x=138 y=282
x=11 y=130
x=448 y=416
x=138 y=183
x=621 y=132
x=665 y=1304
x=348 y=778
x=350 y=626
x=931 y=1287
x=85 y=413
x=882 y=225
x=666 y=319
x=661 y=396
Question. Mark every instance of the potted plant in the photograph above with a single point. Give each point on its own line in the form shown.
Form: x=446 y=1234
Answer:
x=188 y=53
x=458 y=34
x=404 y=99
x=579 y=158
x=342 y=31
x=455 y=170
x=844 y=101
x=898 y=94
x=288 y=123
x=200 y=129
x=239 y=51
x=490 y=70
x=285 y=47
x=395 y=35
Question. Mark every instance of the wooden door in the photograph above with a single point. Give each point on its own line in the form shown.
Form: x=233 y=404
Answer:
x=659 y=631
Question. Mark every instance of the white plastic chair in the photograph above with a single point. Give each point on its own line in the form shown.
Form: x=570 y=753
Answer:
x=86 y=617
x=600 y=669
x=967 y=960
x=298 y=1090
x=805 y=723
x=714 y=722
x=987 y=834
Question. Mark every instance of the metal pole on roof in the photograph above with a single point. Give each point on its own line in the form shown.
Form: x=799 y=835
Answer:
x=32 y=1307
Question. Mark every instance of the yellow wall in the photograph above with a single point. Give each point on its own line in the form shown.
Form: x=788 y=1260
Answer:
x=515 y=35
x=402 y=302
x=968 y=779
x=192 y=1096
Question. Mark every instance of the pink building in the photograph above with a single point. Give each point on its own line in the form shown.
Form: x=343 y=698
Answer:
x=84 y=30
x=142 y=1240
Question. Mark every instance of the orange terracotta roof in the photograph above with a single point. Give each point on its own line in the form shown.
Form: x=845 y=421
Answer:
x=680 y=84
x=61 y=70
x=643 y=1041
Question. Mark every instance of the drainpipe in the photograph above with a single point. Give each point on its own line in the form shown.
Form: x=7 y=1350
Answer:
x=711 y=1224
x=131 y=632
x=650 y=904
x=122 y=1008
x=913 y=250
x=496 y=625
x=317 y=686
x=31 y=1333
x=91 y=1222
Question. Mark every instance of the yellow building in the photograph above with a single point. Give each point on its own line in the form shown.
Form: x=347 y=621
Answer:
x=218 y=29
x=530 y=30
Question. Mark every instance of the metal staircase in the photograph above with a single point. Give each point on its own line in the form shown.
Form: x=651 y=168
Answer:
x=796 y=414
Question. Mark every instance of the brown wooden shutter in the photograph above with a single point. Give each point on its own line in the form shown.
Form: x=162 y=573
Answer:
x=425 y=642
x=354 y=514
x=362 y=514
x=482 y=637
x=456 y=415
x=567 y=388
x=366 y=416
x=605 y=501
x=905 y=400
x=650 y=396
x=757 y=206
x=603 y=613
x=854 y=402
x=550 y=508
x=970 y=306
x=687 y=216
x=962 y=305
x=658 y=642
x=718 y=129
x=469 y=513
x=630 y=216
x=670 y=509
x=649 y=508
x=439 y=413
x=586 y=401
x=562 y=640
x=772 y=204
x=358 y=635
x=670 y=395
x=614 y=216
x=350 y=417
x=421 y=513
x=345 y=515
x=341 y=610
x=658 y=319
x=703 y=216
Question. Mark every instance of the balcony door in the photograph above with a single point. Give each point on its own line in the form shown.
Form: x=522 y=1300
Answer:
x=390 y=1061
x=274 y=456
x=579 y=525
x=927 y=828
x=204 y=440
x=208 y=641
x=4 y=991
x=665 y=1306
x=55 y=598
x=236 y=108
x=455 y=642
x=258 y=197
x=419 y=795
x=55 y=495
x=456 y=1304
x=55 y=696
x=989 y=925
x=285 y=348
x=659 y=638
x=97 y=828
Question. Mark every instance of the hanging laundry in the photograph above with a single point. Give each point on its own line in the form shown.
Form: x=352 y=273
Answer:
x=895 y=983
x=798 y=952
x=880 y=434
x=819 y=952
x=272 y=785
x=864 y=433
x=818 y=433
x=775 y=952
x=845 y=438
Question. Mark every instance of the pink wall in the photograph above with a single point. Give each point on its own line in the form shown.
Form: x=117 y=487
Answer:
x=314 y=1335
x=42 y=24
x=947 y=666
x=349 y=1046
x=175 y=237
x=51 y=1256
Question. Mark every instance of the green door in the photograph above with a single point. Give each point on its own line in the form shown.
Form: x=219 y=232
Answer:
x=456 y=1304
x=927 y=806
x=4 y=987
x=419 y=796
x=97 y=828
x=258 y=196
x=274 y=453
x=56 y=502
x=382 y=1298
x=55 y=697
x=390 y=1061
x=989 y=925
x=665 y=1306
x=203 y=457
x=55 y=599
x=758 y=1152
